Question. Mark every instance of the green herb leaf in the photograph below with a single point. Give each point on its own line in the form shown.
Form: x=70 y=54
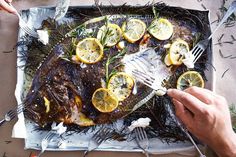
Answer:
x=155 y=13
x=111 y=60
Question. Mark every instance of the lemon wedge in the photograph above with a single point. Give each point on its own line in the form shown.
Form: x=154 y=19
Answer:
x=133 y=30
x=109 y=34
x=161 y=29
x=121 y=84
x=89 y=50
x=177 y=51
x=188 y=79
x=104 y=100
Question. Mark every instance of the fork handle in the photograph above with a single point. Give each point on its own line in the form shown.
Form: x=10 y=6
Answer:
x=2 y=121
x=85 y=153
x=146 y=153
x=230 y=11
x=195 y=145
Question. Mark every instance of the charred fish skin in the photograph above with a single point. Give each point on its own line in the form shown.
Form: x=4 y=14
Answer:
x=51 y=83
x=37 y=83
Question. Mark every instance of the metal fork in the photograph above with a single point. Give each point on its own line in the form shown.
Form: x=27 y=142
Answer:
x=145 y=78
x=202 y=45
x=150 y=82
x=46 y=140
x=142 y=139
x=100 y=136
x=11 y=114
x=24 y=26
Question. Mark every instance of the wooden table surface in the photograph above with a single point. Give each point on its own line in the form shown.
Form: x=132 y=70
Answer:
x=225 y=81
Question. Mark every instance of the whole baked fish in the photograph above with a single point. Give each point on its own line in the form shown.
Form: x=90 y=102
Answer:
x=62 y=89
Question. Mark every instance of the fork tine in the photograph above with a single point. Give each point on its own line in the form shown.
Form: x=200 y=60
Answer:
x=25 y=28
x=23 y=25
x=142 y=139
x=143 y=80
x=138 y=134
x=100 y=135
x=20 y=108
x=144 y=61
x=196 y=52
x=26 y=31
x=141 y=132
x=49 y=136
x=145 y=135
x=11 y=114
x=195 y=49
x=198 y=56
x=144 y=74
x=97 y=139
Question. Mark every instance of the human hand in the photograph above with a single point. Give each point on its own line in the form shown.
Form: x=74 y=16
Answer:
x=206 y=115
x=4 y=5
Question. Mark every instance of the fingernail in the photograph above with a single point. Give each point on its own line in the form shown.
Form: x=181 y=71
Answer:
x=169 y=91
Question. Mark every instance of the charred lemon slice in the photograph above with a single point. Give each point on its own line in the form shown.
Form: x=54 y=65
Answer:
x=84 y=121
x=89 y=50
x=161 y=29
x=104 y=100
x=177 y=51
x=188 y=79
x=121 y=84
x=109 y=34
x=133 y=30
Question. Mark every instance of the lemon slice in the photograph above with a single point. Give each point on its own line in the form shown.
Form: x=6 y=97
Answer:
x=161 y=29
x=177 y=51
x=167 y=60
x=89 y=50
x=84 y=121
x=133 y=30
x=188 y=79
x=109 y=34
x=104 y=100
x=121 y=84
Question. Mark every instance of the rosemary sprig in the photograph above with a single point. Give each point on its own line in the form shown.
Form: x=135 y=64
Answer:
x=222 y=10
x=222 y=56
x=155 y=13
x=221 y=37
x=156 y=16
x=197 y=38
x=224 y=72
x=111 y=60
x=107 y=33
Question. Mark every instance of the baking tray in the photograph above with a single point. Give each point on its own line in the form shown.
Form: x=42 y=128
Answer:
x=34 y=16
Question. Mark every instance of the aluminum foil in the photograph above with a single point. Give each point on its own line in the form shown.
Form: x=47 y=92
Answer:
x=26 y=129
